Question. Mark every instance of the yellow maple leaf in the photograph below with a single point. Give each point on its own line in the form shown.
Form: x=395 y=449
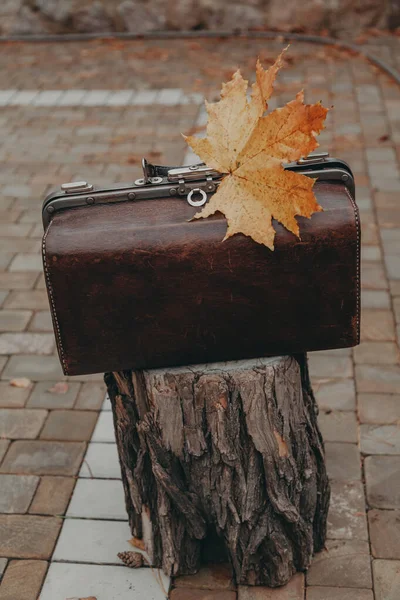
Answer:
x=249 y=148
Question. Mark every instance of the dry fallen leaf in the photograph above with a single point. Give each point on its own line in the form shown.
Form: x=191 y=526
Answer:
x=249 y=148
x=87 y=598
x=21 y=382
x=137 y=543
x=61 y=387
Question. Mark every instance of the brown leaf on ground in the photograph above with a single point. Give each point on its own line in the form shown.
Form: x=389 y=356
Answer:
x=21 y=382
x=137 y=543
x=87 y=598
x=249 y=149
x=61 y=387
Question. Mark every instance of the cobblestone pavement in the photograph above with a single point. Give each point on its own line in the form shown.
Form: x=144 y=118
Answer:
x=57 y=456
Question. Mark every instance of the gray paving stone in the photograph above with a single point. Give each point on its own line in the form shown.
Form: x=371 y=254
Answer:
x=347 y=519
x=343 y=461
x=16 y=190
x=3 y=448
x=27 y=343
x=27 y=262
x=377 y=325
x=104 y=431
x=380 y=439
x=334 y=394
x=120 y=98
x=329 y=366
x=374 y=353
x=342 y=564
x=31 y=300
x=382 y=481
x=96 y=98
x=144 y=97
x=386 y=579
x=17 y=492
x=6 y=96
x=37 y=368
x=338 y=426
x=23 y=98
x=193 y=98
x=43 y=397
x=373 y=276
x=338 y=593
x=39 y=457
x=3 y=362
x=17 y=281
x=101 y=461
x=391 y=240
x=41 y=321
x=99 y=541
x=384 y=529
x=13 y=397
x=68 y=581
x=98 y=499
x=21 y=423
x=91 y=396
x=371 y=253
x=378 y=409
x=3 y=296
x=14 y=320
x=48 y=98
x=392 y=266
x=383 y=378
x=5 y=259
x=72 y=98
x=3 y=564
x=169 y=97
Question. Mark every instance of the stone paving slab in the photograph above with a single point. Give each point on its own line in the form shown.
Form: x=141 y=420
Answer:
x=387 y=579
x=17 y=492
x=23 y=579
x=342 y=564
x=385 y=533
x=99 y=541
x=28 y=536
x=43 y=457
x=103 y=582
x=382 y=481
x=52 y=496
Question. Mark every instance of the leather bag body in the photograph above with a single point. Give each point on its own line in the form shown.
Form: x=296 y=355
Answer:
x=135 y=285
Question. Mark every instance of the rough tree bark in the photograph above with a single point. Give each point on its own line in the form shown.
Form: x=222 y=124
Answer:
x=230 y=450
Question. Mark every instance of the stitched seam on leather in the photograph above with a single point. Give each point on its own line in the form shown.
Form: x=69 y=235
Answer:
x=358 y=227
x=52 y=302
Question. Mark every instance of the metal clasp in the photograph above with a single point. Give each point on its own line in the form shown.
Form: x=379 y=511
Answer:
x=316 y=157
x=200 y=202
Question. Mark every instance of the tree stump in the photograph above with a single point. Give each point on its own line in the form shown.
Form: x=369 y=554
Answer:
x=224 y=450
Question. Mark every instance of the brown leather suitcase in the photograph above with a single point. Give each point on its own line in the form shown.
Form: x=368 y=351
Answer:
x=133 y=284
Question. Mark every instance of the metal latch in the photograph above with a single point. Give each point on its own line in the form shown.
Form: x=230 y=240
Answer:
x=316 y=157
x=74 y=187
x=192 y=173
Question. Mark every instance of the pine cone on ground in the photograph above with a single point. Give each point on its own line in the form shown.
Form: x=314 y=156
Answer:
x=131 y=559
